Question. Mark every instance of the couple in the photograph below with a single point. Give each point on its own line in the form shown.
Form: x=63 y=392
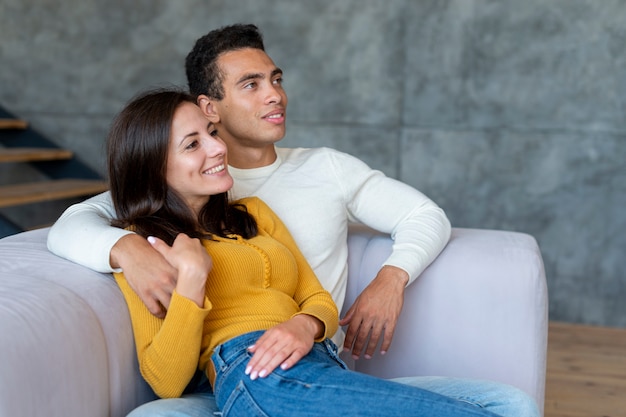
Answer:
x=248 y=328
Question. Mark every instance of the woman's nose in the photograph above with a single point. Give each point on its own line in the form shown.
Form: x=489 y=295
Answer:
x=215 y=146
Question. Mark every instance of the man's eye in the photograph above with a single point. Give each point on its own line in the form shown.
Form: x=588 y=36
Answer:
x=278 y=81
x=250 y=85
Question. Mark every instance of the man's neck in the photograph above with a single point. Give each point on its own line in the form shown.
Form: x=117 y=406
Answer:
x=248 y=158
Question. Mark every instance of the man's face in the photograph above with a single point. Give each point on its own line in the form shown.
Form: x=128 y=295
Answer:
x=253 y=111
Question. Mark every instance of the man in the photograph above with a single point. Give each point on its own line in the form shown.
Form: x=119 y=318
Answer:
x=316 y=192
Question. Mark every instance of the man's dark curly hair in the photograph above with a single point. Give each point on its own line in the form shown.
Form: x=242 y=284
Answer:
x=203 y=73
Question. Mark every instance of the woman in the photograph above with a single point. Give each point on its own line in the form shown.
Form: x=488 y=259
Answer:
x=247 y=310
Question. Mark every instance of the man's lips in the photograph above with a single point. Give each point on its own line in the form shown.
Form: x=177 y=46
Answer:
x=276 y=116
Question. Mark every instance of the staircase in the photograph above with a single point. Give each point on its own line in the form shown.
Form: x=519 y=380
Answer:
x=64 y=176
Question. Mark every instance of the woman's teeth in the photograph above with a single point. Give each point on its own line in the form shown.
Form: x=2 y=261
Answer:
x=215 y=170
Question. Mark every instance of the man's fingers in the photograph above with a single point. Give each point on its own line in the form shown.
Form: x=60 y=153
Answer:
x=155 y=307
x=375 y=334
x=157 y=299
x=361 y=339
x=164 y=297
x=388 y=333
x=351 y=334
x=348 y=317
x=353 y=326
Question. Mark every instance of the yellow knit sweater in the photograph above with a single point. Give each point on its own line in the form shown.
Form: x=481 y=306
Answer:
x=254 y=284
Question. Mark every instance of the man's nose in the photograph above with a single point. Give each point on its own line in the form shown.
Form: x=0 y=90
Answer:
x=274 y=94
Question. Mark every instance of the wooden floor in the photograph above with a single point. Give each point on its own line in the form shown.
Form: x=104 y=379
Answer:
x=586 y=373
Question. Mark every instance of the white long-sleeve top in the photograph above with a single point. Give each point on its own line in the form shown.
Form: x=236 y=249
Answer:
x=316 y=192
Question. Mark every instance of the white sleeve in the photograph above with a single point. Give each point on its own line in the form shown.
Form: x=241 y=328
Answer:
x=83 y=234
x=419 y=228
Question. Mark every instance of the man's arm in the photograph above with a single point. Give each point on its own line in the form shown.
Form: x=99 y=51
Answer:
x=83 y=234
x=420 y=230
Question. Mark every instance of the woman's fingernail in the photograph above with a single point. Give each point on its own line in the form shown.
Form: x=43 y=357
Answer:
x=263 y=373
x=254 y=375
x=151 y=239
x=248 y=370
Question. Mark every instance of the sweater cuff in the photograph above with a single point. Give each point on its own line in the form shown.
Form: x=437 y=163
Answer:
x=329 y=329
x=185 y=307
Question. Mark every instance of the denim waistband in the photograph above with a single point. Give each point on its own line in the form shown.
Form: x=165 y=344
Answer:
x=235 y=345
x=230 y=349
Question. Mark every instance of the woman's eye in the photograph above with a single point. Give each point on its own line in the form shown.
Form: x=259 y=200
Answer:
x=213 y=132
x=192 y=145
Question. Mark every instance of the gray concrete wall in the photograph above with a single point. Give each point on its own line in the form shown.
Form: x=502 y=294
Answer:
x=509 y=114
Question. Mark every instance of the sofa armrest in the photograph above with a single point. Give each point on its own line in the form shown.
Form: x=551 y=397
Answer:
x=480 y=310
x=67 y=344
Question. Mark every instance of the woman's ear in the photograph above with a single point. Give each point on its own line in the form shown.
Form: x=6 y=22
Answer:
x=208 y=108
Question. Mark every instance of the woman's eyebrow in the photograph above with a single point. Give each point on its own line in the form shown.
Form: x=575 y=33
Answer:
x=186 y=136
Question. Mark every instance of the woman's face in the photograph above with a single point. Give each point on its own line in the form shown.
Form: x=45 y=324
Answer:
x=196 y=161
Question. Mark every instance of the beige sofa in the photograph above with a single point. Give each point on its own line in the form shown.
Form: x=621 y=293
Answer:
x=479 y=311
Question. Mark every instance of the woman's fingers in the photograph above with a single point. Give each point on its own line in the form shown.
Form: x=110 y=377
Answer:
x=279 y=346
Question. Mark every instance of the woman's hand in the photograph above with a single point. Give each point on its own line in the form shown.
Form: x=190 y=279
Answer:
x=284 y=344
x=191 y=261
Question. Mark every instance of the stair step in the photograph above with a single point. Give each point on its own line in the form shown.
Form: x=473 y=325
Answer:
x=33 y=154
x=15 y=195
x=13 y=124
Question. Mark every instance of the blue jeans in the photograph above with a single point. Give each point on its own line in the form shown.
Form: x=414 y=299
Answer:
x=320 y=385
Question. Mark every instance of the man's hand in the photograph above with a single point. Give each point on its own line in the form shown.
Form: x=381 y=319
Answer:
x=284 y=344
x=147 y=272
x=375 y=313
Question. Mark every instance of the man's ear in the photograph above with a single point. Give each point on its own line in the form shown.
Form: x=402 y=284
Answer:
x=207 y=105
